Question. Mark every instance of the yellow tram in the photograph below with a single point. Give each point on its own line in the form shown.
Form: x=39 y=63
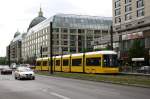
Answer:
x=90 y=62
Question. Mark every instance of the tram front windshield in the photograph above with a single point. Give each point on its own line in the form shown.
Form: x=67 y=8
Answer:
x=110 y=61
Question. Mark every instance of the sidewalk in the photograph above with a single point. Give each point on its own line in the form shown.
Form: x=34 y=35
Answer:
x=133 y=73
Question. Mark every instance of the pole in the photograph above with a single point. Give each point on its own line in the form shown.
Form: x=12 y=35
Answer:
x=9 y=55
x=41 y=52
x=83 y=47
x=61 y=58
x=111 y=37
x=51 y=47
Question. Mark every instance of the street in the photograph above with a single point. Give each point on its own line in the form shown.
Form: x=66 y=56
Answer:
x=44 y=87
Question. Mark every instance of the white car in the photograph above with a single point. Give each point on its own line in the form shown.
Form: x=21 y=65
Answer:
x=24 y=73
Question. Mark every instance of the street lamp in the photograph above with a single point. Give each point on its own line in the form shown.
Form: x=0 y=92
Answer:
x=51 y=48
x=111 y=37
x=9 y=55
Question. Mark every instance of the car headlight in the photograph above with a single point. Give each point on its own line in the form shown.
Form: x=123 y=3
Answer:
x=33 y=74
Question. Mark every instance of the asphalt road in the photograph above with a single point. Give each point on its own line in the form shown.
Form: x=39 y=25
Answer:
x=44 y=87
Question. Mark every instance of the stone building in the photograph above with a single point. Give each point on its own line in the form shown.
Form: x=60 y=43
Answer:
x=131 y=21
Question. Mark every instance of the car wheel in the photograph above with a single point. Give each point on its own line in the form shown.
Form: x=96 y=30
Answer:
x=15 y=77
x=18 y=78
x=33 y=78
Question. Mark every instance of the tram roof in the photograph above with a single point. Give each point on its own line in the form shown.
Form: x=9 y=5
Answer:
x=78 y=54
x=66 y=56
x=101 y=52
x=57 y=56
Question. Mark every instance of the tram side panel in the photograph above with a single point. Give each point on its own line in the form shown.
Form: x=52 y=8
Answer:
x=38 y=65
x=66 y=63
x=77 y=64
x=93 y=63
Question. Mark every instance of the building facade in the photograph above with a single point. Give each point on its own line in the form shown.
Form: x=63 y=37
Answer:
x=15 y=49
x=131 y=21
x=71 y=34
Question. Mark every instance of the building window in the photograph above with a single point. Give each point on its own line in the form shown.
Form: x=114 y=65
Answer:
x=117 y=3
x=65 y=36
x=140 y=12
x=81 y=31
x=140 y=3
x=56 y=30
x=97 y=32
x=65 y=43
x=128 y=8
x=127 y=1
x=72 y=43
x=72 y=30
x=117 y=12
x=64 y=30
x=128 y=16
x=117 y=20
x=65 y=48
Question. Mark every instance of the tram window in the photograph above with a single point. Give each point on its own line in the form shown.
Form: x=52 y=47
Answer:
x=110 y=61
x=93 y=61
x=65 y=62
x=76 y=62
x=44 y=63
x=38 y=63
x=57 y=62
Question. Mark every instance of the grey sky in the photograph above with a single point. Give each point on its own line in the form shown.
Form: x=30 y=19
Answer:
x=17 y=14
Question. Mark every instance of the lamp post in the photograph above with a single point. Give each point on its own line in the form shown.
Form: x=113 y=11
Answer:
x=83 y=47
x=61 y=58
x=51 y=47
x=111 y=37
x=41 y=52
x=9 y=55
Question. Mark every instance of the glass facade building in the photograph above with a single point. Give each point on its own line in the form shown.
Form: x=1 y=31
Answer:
x=71 y=34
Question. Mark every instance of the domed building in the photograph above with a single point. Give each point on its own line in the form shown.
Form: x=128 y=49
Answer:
x=15 y=48
x=71 y=34
x=37 y=20
x=16 y=34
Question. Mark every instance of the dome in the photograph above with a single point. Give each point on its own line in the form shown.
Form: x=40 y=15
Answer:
x=16 y=34
x=37 y=20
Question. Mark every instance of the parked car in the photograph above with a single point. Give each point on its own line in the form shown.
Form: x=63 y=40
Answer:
x=6 y=70
x=25 y=65
x=144 y=69
x=24 y=73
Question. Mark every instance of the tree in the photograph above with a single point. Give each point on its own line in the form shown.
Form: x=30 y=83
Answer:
x=137 y=49
x=108 y=47
x=3 y=61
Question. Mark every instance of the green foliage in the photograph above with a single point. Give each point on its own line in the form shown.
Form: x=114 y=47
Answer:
x=3 y=61
x=108 y=47
x=136 y=50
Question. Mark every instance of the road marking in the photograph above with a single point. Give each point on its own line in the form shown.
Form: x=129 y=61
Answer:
x=58 y=95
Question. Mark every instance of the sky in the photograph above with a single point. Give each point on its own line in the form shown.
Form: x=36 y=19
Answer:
x=16 y=15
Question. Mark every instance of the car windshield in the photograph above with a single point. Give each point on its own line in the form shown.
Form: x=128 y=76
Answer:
x=25 y=69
